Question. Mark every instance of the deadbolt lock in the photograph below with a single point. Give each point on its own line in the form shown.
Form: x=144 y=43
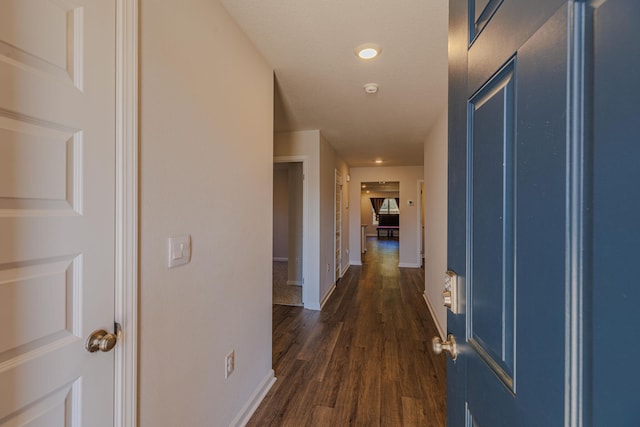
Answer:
x=450 y=293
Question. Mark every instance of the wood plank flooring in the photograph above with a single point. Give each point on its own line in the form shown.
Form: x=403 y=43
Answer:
x=365 y=360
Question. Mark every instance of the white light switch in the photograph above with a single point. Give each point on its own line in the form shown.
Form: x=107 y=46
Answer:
x=179 y=250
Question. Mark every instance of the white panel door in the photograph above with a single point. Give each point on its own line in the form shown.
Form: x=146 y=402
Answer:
x=57 y=161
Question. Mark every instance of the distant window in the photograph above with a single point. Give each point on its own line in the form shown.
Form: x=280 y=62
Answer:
x=389 y=206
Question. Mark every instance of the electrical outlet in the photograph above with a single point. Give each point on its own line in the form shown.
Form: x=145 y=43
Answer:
x=229 y=364
x=328 y=267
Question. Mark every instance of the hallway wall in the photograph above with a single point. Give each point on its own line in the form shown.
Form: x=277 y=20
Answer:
x=435 y=204
x=329 y=162
x=206 y=129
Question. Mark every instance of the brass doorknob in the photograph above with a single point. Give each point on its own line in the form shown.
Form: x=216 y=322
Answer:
x=449 y=346
x=101 y=340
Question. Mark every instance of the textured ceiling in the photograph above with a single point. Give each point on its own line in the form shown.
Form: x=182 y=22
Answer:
x=319 y=79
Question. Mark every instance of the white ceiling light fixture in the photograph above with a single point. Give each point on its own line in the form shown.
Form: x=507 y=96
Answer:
x=379 y=161
x=371 y=88
x=368 y=51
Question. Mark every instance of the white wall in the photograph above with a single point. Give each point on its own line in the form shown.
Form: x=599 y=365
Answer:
x=410 y=229
x=280 y=212
x=435 y=194
x=206 y=128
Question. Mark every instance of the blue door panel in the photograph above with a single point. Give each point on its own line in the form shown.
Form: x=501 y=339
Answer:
x=480 y=12
x=616 y=215
x=491 y=163
x=512 y=24
x=489 y=406
x=541 y=221
x=485 y=304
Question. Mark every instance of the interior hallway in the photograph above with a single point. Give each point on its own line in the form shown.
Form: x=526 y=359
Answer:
x=366 y=359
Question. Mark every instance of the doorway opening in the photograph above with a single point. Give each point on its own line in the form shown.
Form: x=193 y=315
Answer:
x=288 y=232
x=380 y=214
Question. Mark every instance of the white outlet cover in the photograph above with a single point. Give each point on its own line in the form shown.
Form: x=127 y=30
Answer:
x=179 y=250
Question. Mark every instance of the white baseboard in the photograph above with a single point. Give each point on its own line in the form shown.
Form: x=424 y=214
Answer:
x=294 y=282
x=312 y=306
x=443 y=335
x=344 y=271
x=327 y=296
x=254 y=401
x=277 y=258
x=408 y=265
x=355 y=262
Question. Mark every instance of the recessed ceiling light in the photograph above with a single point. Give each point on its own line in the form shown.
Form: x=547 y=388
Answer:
x=364 y=186
x=368 y=51
x=378 y=161
x=371 y=88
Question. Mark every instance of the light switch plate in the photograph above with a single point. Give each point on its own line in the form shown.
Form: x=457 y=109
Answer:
x=179 y=250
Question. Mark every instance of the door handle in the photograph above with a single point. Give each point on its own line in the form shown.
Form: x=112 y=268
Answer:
x=102 y=340
x=449 y=346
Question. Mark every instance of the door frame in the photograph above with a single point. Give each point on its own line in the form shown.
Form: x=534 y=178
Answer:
x=306 y=259
x=337 y=227
x=421 y=230
x=126 y=214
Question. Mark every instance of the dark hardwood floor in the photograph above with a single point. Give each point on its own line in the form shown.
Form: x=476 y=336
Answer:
x=365 y=360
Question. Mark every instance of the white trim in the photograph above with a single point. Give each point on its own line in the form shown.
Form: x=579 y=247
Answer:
x=312 y=306
x=327 y=296
x=433 y=316
x=254 y=401
x=337 y=226
x=355 y=262
x=306 y=259
x=295 y=282
x=408 y=265
x=279 y=258
x=126 y=226
x=420 y=233
x=344 y=270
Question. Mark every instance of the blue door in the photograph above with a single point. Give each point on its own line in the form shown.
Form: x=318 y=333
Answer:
x=615 y=397
x=536 y=90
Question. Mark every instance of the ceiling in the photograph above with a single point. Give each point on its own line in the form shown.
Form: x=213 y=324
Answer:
x=380 y=187
x=319 y=80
